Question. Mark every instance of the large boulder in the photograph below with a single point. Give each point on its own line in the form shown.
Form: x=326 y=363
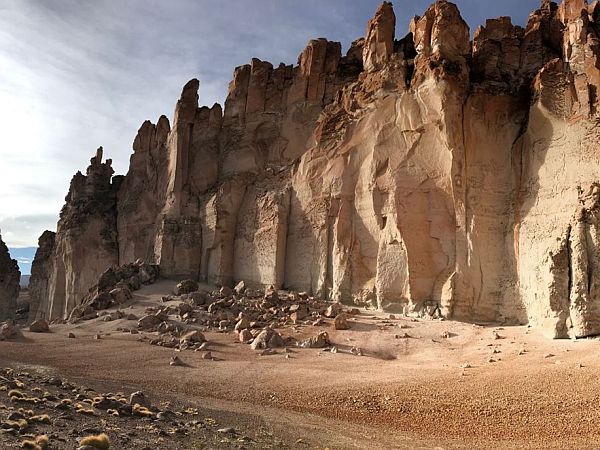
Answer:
x=10 y=278
x=39 y=326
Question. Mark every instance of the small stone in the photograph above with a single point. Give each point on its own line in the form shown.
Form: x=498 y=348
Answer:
x=268 y=352
x=240 y=288
x=319 y=341
x=242 y=324
x=548 y=355
x=356 y=351
x=176 y=361
x=71 y=335
x=206 y=355
x=139 y=398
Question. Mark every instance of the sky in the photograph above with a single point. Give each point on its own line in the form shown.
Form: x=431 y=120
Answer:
x=77 y=74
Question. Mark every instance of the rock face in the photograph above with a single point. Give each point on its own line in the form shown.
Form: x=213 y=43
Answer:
x=10 y=278
x=40 y=273
x=429 y=173
x=85 y=244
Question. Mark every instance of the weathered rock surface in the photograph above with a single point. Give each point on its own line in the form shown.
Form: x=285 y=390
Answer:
x=10 y=278
x=429 y=173
x=40 y=273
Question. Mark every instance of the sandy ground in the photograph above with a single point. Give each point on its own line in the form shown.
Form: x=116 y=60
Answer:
x=445 y=385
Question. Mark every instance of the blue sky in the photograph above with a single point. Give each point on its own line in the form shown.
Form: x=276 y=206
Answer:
x=77 y=74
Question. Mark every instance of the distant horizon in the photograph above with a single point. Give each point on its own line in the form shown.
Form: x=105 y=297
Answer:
x=83 y=75
x=24 y=257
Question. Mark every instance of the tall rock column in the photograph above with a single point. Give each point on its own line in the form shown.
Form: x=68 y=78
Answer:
x=86 y=238
x=379 y=42
x=10 y=278
x=40 y=273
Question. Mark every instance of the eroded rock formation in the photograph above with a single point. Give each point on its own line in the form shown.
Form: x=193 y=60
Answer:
x=431 y=173
x=40 y=273
x=10 y=278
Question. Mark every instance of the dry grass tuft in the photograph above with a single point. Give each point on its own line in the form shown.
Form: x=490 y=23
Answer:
x=100 y=441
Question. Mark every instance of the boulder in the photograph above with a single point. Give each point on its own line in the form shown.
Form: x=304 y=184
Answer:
x=120 y=295
x=245 y=336
x=267 y=339
x=193 y=337
x=321 y=340
x=186 y=286
x=9 y=331
x=341 y=322
x=149 y=322
x=333 y=310
x=39 y=326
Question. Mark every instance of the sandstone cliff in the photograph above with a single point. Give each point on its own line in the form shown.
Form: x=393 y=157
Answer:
x=10 y=277
x=427 y=174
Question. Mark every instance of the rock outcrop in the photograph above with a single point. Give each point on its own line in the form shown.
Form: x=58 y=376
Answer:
x=40 y=273
x=430 y=174
x=10 y=278
x=85 y=244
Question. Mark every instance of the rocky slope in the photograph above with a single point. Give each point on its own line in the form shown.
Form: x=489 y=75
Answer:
x=426 y=174
x=10 y=277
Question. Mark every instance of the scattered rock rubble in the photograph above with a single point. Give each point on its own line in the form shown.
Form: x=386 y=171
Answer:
x=114 y=287
x=40 y=411
x=253 y=314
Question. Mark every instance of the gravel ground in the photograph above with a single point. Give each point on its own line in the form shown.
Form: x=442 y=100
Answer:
x=420 y=384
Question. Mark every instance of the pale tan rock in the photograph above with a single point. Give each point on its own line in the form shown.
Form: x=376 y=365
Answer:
x=379 y=40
